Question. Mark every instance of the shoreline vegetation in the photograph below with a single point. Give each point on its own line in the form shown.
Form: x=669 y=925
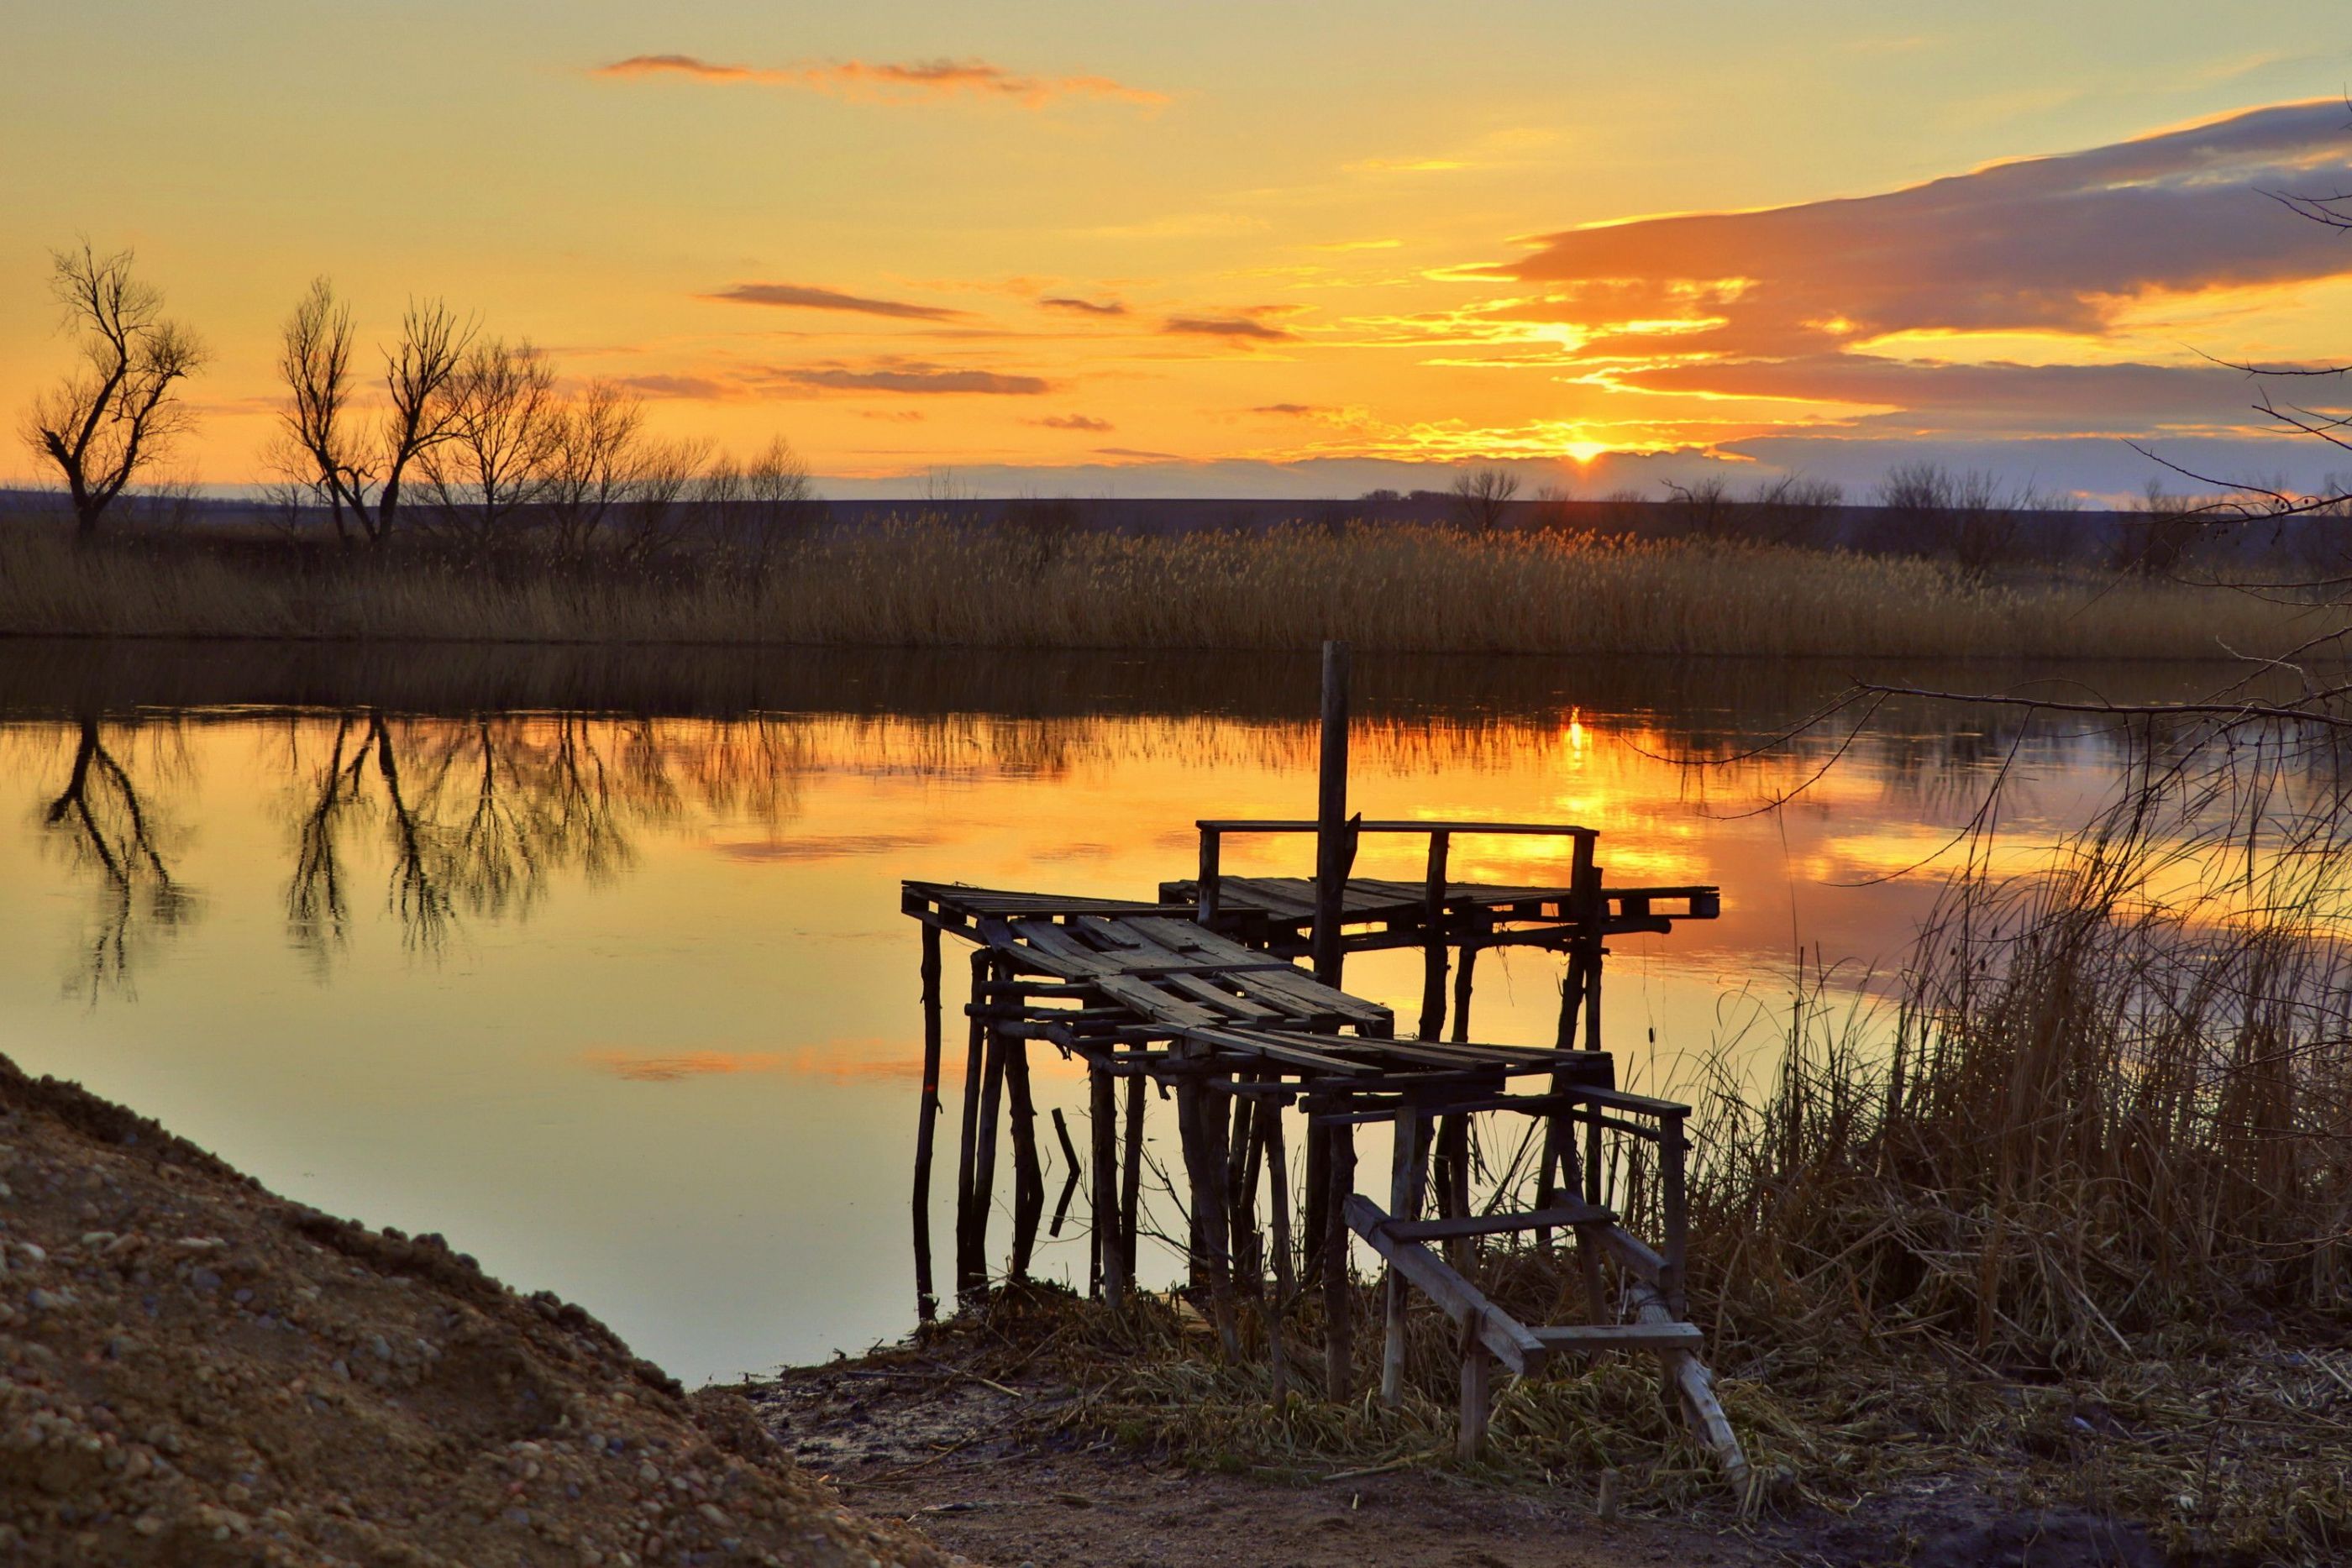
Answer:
x=918 y=582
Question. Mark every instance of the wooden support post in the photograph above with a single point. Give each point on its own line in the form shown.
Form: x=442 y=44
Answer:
x=1338 y=1290
x=1559 y=1143
x=983 y=1168
x=1674 y=1201
x=1332 y=851
x=1432 y=921
x=926 y=1297
x=1318 y=1216
x=1209 y=873
x=971 y=1263
x=1130 y=1178
x=1028 y=1171
x=1404 y=1203
x=1464 y=978
x=1477 y=1398
x=1216 y=1133
x=1241 y=1187
x=1107 y=1245
x=1277 y=1171
x=1454 y=1167
x=1201 y=1127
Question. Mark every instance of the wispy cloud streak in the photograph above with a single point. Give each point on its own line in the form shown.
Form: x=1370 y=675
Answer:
x=800 y=297
x=884 y=79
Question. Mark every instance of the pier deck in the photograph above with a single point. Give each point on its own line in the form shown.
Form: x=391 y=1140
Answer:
x=1196 y=991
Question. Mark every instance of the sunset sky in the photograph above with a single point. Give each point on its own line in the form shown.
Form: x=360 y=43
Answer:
x=1287 y=250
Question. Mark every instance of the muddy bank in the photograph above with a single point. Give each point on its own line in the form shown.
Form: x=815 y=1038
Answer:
x=194 y=1371
x=990 y=1443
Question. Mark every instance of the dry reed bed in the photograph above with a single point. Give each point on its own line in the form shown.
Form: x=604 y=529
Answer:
x=2072 y=1216
x=912 y=584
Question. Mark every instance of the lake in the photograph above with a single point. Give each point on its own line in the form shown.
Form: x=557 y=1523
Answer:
x=591 y=961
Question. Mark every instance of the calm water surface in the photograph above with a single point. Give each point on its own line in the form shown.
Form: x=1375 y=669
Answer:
x=592 y=963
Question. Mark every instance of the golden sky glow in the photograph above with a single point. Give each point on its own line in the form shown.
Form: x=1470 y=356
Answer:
x=1218 y=249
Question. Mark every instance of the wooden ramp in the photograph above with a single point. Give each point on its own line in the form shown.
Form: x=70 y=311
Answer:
x=1194 y=992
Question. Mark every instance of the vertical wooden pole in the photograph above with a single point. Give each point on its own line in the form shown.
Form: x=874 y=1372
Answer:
x=1318 y=1200
x=1477 y=1398
x=1464 y=978
x=1277 y=1171
x=1338 y=1290
x=926 y=1297
x=1559 y=1129
x=1201 y=1126
x=1028 y=1172
x=984 y=1170
x=1674 y=1195
x=1404 y=1203
x=972 y=1264
x=1331 y=848
x=1109 y=1249
x=1241 y=1187
x=1453 y=1166
x=1208 y=881
x=1131 y=1177
x=1432 y=921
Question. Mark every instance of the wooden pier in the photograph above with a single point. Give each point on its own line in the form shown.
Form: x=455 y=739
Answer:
x=1195 y=992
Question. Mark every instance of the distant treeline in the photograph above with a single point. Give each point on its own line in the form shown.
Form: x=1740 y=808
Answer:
x=2161 y=533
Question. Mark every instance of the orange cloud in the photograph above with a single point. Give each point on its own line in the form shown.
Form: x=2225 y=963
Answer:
x=916 y=376
x=802 y=297
x=1085 y=306
x=871 y=80
x=1071 y=422
x=2057 y=244
x=1242 y=328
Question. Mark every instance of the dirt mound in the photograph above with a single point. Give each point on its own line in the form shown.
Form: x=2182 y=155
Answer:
x=195 y=1371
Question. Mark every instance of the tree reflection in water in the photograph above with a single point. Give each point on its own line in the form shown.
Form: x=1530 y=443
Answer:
x=436 y=819
x=101 y=819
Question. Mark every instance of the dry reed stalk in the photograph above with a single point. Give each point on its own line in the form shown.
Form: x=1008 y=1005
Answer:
x=1405 y=588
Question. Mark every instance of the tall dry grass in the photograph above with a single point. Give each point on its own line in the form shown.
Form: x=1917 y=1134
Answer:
x=916 y=584
x=2086 y=1197
x=2064 y=1219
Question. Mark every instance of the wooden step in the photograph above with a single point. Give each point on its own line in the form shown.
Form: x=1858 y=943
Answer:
x=1619 y=1336
x=1556 y=1218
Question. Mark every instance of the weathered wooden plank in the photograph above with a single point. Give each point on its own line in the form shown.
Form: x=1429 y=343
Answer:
x=1456 y=1226
x=1634 y=1255
x=1299 y=994
x=1621 y=1336
x=1464 y=1303
x=1387 y=825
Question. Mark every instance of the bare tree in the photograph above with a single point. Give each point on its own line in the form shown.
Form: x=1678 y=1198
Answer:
x=596 y=463
x=1794 y=510
x=1482 y=495
x=359 y=472
x=779 y=504
x=1968 y=516
x=505 y=422
x=121 y=411
x=1704 y=507
x=672 y=497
